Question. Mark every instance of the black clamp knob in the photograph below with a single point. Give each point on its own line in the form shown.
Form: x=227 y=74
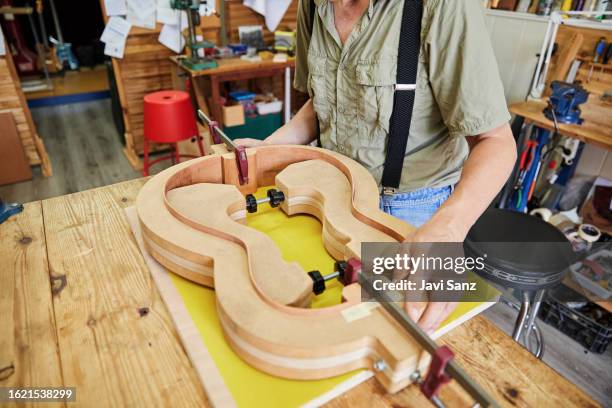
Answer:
x=276 y=197
x=318 y=282
x=251 y=203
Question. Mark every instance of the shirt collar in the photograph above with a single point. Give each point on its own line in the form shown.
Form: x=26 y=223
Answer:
x=370 y=7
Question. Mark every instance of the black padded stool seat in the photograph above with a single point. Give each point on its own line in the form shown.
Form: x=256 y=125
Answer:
x=522 y=252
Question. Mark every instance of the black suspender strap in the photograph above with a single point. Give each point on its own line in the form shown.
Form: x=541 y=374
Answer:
x=405 y=90
x=312 y=11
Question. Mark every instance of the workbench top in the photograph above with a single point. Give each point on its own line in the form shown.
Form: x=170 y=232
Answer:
x=596 y=129
x=234 y=65
x=80 y=308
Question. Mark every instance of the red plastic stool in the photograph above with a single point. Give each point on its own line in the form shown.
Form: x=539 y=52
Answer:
x=168 y=118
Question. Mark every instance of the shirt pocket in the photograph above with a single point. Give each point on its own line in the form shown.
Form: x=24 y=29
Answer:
x=376 y=87
x=317 y=85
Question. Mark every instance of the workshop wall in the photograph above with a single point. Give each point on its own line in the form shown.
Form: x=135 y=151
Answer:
x=517 y=39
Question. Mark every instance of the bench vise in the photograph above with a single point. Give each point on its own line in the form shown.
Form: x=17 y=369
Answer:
x=565 y=101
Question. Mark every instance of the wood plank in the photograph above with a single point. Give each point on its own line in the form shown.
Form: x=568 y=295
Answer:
x=568 y=55
x=117 y=342
x=29 y=356
x=236 y=65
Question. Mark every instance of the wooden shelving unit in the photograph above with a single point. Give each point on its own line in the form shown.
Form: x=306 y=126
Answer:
x=13 y=100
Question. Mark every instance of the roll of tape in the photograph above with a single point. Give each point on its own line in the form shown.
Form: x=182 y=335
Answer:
x=589 y=233
x=542 y=213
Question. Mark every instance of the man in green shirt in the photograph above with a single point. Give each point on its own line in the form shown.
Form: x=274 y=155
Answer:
x=460 y=148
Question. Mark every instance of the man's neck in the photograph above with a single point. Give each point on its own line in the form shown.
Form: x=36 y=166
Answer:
x=346 y=14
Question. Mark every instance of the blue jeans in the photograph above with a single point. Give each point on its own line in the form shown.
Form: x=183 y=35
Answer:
x=416 y=207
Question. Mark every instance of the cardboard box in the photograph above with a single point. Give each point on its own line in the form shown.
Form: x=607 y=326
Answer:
x=233 y=115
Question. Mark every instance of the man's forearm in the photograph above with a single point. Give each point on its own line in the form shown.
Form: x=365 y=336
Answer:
x=487 y=168
x=300 y=130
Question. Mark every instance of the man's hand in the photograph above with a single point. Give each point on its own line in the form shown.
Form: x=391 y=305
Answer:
x=490 y=162
x=429 y=315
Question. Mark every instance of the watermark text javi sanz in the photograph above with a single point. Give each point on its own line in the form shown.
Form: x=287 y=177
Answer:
x=415 y=272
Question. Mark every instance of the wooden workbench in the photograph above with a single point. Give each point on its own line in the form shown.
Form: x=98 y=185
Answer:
x=596 y=129
x=79 y=308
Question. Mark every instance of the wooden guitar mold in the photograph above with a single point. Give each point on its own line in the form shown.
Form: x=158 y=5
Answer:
x=193 y=222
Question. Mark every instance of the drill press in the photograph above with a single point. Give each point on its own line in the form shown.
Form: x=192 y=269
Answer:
x=194 y=61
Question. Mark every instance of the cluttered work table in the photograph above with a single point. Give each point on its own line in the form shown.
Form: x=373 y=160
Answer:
x=231 y=69
x=79 y=308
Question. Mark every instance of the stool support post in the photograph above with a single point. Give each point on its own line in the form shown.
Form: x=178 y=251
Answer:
x=520 y=323
x=200 y=144
x=145 y=166
x=531 y=327
x=177 y=156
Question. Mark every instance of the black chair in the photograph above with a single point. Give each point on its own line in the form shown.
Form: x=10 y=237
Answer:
x=524 y=255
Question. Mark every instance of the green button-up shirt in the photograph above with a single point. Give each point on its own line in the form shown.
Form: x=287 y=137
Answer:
x=459 y=92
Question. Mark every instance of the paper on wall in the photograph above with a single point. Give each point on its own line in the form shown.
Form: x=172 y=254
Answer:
x=115 y=7
x=116 y=30
x=167 y=15
x=115 y=35
x=171 y=37
x=115 y=50
x=272 y=10
x=141 y=13
x=142 y=8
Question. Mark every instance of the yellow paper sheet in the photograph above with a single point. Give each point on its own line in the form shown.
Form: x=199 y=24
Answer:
x=299 y=238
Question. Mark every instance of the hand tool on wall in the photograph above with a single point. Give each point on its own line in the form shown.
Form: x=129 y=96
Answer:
x=598 y=55
x=218 y=136
x=8 y=209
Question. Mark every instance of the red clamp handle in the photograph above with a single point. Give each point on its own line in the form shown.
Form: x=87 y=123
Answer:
x=213 y=133
x=351 y=272
x=437 y=376
x=243 y=165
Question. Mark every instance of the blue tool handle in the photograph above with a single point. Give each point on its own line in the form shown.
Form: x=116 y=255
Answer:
x=8 y=209
x=599 y=49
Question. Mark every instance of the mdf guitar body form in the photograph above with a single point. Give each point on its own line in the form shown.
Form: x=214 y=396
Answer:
x=193 y=216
